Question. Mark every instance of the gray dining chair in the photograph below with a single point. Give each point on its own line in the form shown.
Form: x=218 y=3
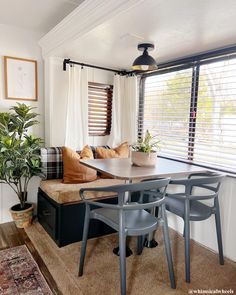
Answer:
x=129 y=219
x=188 y=205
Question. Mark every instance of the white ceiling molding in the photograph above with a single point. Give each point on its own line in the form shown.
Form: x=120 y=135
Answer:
x=74 y=2
x=83 y=19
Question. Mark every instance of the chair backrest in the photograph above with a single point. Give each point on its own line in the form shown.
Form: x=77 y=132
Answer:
x=208 y=181
x=154 y=188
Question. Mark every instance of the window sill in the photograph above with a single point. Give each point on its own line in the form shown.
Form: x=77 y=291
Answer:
x=217 y=169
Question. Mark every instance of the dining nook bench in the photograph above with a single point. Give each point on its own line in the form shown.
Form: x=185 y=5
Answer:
x=60 y=209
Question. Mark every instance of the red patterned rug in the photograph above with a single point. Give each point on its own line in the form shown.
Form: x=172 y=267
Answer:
x=19 y=273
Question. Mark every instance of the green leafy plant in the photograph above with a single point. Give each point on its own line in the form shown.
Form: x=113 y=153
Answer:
x=148 y=144
x=19 y=151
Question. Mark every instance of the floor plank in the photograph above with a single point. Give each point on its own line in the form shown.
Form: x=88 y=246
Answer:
x=11 y=236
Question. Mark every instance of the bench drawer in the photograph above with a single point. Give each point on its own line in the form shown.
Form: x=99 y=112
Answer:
x=65 y=222
x=47 y=215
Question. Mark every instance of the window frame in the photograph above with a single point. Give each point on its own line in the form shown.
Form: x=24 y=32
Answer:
x=193 y=62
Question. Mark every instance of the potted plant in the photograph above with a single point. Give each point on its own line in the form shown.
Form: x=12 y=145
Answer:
x=19 y=158
x=144 y=152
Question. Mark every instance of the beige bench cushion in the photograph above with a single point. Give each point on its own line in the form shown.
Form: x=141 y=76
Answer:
x=69 y=193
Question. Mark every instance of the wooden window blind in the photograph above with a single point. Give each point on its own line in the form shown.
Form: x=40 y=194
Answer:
x=99 y=108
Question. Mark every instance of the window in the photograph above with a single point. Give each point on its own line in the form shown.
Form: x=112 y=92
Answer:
x=166 y=110
x=193 y=111
x=99 y=108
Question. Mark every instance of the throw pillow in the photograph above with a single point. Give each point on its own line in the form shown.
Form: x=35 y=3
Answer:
x=74 y=171
x=122 y=151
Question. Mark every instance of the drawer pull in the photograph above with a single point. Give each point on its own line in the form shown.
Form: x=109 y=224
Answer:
x=46 y=213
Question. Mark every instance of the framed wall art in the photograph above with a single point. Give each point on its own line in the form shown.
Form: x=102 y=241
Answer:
x=20 y=78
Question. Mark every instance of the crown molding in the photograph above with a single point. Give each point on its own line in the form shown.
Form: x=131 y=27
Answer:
x=88 y=15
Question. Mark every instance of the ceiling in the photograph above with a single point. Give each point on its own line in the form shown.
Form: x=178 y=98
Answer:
x=36 y=15
x=177 y=28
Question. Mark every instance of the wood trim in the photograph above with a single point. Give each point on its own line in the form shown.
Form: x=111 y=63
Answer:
x=6 y=58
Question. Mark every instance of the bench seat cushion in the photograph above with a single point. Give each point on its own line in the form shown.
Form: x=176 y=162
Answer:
x=68 y=193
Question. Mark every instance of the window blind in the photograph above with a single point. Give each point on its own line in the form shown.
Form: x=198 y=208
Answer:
x=99 y=108
x=193 y=112
x=215 y=134
x=165 y=110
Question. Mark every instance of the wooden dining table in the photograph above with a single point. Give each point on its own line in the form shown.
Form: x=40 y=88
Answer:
x=124 y=169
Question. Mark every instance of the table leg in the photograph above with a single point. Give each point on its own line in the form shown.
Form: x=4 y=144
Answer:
x=128 y=251
x=116 y=250
x=150 y=241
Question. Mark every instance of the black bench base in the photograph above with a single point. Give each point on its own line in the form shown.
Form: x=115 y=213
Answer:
x=64 y=222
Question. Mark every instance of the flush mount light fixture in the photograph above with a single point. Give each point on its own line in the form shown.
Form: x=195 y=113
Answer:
x=145 y=62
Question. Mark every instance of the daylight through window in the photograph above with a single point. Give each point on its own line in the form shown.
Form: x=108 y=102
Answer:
x=193 y=111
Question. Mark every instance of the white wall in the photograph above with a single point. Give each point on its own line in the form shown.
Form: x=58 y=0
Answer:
x=20 y=43
x=204 y=231
x=56 y=91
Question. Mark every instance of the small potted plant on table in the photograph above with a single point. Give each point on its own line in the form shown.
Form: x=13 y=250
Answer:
x=144 y=152
x=19 y=158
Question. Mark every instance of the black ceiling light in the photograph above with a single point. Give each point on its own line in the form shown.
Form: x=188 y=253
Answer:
x=145 y=62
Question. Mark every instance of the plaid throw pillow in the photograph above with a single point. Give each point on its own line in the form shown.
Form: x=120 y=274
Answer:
x=52 y=163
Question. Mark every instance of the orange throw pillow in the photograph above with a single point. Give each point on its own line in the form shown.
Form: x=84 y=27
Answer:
x=122 y=151
x=74 y=172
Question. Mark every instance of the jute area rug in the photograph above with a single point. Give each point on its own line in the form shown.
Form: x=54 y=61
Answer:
x=146 y=274
x=19 y=273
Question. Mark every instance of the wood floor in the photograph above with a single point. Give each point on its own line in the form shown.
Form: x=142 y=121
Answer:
x=11 y=236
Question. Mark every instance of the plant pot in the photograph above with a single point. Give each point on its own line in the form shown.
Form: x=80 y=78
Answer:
x=22 y=217
x=143 y=159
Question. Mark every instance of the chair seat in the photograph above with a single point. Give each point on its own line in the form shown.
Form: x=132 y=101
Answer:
x=137 y=222
x=198 y=210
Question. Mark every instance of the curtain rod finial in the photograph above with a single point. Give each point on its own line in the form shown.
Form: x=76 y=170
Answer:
x=65 y=61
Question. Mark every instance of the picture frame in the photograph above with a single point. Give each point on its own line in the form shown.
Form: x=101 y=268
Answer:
x=21 y=78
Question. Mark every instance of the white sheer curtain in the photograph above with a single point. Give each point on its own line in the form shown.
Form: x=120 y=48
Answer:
x=77 y=109
x=124 y=110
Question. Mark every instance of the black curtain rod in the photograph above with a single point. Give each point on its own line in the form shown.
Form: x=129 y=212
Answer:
x=68 y=61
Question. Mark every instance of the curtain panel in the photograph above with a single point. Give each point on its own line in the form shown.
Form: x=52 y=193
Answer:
x=124 y=110
x=77 y=109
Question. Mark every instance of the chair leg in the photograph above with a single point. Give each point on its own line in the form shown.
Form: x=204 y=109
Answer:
x=84 y=241
x=122 y=246
x=218 y=232
x=168 y=248
x=187 y=250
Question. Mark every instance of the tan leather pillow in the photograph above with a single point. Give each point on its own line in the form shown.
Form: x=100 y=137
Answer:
x=122 y=151
x=74 y=172
x=86 y=153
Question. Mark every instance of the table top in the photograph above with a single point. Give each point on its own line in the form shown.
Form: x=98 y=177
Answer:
x=123 y=168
